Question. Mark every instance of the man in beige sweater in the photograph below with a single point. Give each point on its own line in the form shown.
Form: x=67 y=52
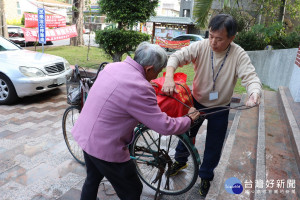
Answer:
x=218 y=63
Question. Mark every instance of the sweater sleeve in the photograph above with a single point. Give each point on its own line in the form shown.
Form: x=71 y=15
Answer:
x=143 y=107
x=184 y=56
x=246 y=72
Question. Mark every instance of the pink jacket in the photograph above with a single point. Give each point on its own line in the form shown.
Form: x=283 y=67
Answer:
x=119 y=99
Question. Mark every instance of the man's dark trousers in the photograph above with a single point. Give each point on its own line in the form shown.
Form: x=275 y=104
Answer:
x=216 y=131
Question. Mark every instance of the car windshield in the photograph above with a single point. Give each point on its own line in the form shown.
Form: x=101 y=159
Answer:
x=5 y=45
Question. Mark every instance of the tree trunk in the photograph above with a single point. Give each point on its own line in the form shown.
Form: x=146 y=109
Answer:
x=282 y=11
x=117 y=57
x=77 y=18
x=3 y=27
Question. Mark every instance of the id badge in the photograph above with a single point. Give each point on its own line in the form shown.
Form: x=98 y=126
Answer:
x=213 y=95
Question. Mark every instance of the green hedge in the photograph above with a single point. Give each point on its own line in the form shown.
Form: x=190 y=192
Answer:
x=116 y=42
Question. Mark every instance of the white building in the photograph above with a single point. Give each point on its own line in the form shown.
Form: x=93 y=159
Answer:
x=14 y=9
x=169 y=8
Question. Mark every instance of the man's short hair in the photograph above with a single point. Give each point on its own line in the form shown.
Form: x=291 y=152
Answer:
x=221 y=21
x=148 y=54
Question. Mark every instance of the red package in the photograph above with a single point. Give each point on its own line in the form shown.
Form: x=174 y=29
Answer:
x=174 y=106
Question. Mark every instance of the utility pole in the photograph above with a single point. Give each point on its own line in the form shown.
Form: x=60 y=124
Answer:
x=3 y=27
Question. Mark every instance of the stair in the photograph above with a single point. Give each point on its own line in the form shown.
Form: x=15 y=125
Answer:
x=262 y=151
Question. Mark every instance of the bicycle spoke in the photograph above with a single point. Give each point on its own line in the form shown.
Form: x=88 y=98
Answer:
x=154 y=155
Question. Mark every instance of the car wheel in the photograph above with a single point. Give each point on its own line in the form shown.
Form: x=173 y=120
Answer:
x=8 y=93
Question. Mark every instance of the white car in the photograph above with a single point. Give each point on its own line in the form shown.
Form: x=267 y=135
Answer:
x=25 y=73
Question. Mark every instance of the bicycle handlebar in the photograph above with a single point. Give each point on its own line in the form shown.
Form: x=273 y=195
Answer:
x=92 y=79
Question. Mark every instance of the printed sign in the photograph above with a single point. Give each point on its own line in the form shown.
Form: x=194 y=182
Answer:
x=172 y=44
x=42 y=25
x=51 y=34
x=31 y=20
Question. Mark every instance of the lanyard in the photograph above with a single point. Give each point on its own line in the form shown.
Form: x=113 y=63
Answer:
x=212 y=66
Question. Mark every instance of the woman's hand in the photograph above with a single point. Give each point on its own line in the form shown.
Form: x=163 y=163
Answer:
x=194 y=114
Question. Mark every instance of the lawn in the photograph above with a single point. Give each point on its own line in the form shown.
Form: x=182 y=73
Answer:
x=78 y=56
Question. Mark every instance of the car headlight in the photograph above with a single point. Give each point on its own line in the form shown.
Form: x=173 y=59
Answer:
x=31 y=71
x=67 y=64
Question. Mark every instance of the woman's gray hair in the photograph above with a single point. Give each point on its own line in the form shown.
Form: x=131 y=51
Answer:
x=148 y=54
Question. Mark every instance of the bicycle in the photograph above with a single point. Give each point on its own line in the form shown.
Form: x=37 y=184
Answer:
x=78 y=87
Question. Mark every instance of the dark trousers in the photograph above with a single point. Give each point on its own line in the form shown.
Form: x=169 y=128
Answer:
x=122 y=176
x=216 y=132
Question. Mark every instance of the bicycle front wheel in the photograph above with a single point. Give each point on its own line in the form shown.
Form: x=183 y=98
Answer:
x=70 y=116
x=154 y=154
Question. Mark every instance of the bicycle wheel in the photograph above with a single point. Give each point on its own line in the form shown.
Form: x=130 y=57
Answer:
x=154 y=154
x=70 y=116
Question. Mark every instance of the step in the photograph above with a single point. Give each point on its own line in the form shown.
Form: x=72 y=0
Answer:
x=281 y=164
x=238 y=156
x=291 y=111
x=260 y=149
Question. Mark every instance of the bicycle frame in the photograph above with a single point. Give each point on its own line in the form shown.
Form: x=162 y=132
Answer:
x=185 y=137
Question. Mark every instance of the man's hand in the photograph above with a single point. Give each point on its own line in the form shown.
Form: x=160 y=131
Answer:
x=193 y=114
x=253 y=100
x=169 y=86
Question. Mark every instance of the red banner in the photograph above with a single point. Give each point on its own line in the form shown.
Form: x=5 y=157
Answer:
x=31 y=20
x=172 y=44
x=51 y=34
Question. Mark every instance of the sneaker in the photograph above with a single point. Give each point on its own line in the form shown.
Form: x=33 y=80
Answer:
x=204 y=187
x=175 y=168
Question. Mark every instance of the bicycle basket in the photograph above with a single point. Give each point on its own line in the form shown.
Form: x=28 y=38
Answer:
x=73 y=91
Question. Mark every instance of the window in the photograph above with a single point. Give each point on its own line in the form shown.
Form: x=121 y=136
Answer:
x=186 y=13
x=18 y=8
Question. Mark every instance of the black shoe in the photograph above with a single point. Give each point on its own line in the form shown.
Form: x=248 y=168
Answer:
x=175 y=168
x=204 y=187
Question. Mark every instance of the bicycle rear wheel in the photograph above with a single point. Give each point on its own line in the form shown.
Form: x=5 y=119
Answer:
x=153 y=155
x=69 y=118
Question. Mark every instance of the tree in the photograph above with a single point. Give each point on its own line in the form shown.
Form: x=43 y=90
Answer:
x=126 y=14
x=77 y=18
x=271 y=11
x=276 y=10
x=3 y=29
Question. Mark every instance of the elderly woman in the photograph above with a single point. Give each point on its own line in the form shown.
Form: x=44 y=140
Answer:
x=121 y=97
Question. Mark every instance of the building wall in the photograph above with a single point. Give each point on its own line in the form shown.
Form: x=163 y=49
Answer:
x=187 y=5
x=14 y=9
x=11 y=11
x=169 y=5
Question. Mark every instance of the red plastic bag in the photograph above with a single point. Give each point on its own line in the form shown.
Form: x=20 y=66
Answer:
x=171 y=105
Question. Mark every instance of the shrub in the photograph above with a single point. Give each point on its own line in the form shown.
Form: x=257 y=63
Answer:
x=250 y=40
x=116 y=42
x=260 y=36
